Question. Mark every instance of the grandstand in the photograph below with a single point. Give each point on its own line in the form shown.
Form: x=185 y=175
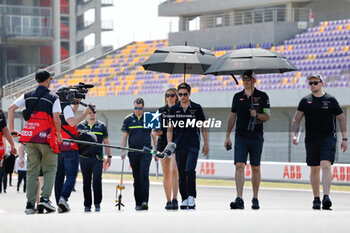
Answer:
x=323 y=49
x=119 y=79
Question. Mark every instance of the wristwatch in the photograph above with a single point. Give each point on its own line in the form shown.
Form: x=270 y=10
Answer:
x=345 y=139
x=109 y=156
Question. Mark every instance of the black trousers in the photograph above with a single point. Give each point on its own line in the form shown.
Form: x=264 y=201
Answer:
x=91 y=169
x=22 y=175
x=140 y=164
x=186 y=160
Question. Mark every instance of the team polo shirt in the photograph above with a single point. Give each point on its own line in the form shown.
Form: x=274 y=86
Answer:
x=320 y=115
x=138 y=136
x=99 y=129
x=188 y=136
x=241 y=104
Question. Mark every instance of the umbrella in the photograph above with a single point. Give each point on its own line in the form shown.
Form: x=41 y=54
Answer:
x=180 y=59
x=260 y=61
x=257 y=60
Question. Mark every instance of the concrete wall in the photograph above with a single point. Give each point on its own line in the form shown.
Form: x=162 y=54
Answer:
x=325 y=10
x=273 y=32
x=205 y=6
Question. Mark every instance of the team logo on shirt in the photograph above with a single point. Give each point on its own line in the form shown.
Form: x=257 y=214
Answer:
x=325 y=104
x=151 y=120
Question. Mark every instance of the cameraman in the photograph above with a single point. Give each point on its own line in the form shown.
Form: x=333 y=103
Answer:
x=68 y=159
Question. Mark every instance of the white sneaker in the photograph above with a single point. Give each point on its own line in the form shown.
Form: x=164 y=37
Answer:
x=63 y=205
x=191 y=202
x=184 y=204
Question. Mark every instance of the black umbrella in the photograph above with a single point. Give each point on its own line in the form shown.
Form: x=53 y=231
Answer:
x=180 y=60
x=257 y=60
x=261 y=61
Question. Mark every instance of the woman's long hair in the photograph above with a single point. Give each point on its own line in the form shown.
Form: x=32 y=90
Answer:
x=176 y=95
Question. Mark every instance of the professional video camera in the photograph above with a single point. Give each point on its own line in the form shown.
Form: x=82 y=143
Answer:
x=71 y=94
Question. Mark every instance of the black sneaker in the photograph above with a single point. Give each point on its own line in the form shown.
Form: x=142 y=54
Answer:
x=316 y=204
x=174 y=204
x=255 y=204
x=87 y=209
x=169 y=206
x=326 y=203
x=144 y=206
x=45 y=204
x=30 y=209
x=237 y=204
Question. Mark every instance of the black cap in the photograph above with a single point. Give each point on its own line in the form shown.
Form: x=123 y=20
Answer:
x=41 y=75
x=249 y=73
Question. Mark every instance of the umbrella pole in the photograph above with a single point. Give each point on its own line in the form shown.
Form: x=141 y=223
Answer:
x=252 y=120
x=185 y=73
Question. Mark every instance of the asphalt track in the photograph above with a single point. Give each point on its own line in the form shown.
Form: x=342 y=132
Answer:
x=281 y=211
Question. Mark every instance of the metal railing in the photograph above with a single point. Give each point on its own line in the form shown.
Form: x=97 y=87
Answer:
x=107 y=2
x=251 y=17
x=28 y=82
x=84 y=24
x=107 y=24
x=25 y=10
x=29 y=31
x=25 y=21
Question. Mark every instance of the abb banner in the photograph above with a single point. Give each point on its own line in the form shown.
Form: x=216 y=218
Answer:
x=270 y=171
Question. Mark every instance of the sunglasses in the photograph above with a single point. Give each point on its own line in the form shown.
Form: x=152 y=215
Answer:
x=136 y=108
x=246 y=79
x=183 y=94
x=314 y=83
x=170 y=95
